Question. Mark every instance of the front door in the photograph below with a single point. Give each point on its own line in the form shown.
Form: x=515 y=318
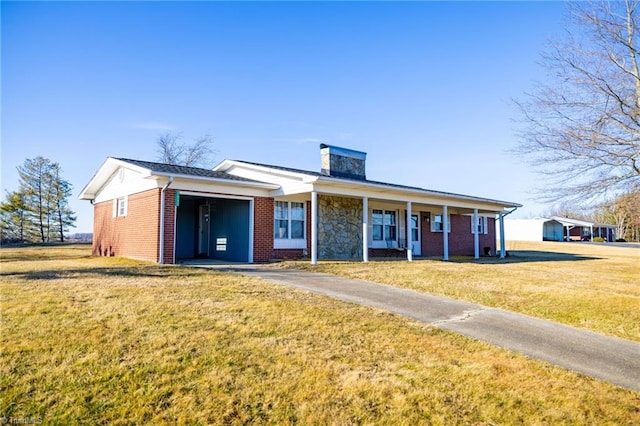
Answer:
x=415 y=235
x=203 y=231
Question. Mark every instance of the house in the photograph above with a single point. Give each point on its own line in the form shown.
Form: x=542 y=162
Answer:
x=556 y=228
x=249 y=212
x=538 y=229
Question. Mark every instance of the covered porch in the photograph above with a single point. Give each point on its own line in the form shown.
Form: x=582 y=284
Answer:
x=386 y=227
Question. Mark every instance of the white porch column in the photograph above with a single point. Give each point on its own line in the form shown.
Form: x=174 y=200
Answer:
x=445 y=233
x=502 y=248
x=476 y=239
x=365 y=229
x=314 y=227
x=409 y=236
x=591 y=233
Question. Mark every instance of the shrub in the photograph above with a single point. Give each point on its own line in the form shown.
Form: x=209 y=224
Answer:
x=598 y=240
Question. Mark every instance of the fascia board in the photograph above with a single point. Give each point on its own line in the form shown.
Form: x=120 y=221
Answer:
x=231 y=182
x=228 y=166
x=210 y=187
x=375 y=190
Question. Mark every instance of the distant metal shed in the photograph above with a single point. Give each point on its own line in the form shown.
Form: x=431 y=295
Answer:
x=537 y=229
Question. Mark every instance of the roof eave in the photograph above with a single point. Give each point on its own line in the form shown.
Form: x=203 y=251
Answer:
x=419 y=191
x=254 y=184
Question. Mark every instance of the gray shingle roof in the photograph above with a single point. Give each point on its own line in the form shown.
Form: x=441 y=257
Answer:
x=373 y=182
x=184 y=170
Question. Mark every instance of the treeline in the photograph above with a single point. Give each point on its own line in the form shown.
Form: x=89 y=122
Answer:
x=39 y=210
x=624 y=212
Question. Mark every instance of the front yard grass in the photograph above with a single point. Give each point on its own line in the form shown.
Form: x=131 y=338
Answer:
x=89 y=340
x=592 y=286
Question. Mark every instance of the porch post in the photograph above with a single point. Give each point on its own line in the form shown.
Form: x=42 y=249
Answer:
x=409 y=236
x=591 y=233
x=476 y=239
x=445 y=233
x=365 y=229
x=502 y=248
x=314 y=227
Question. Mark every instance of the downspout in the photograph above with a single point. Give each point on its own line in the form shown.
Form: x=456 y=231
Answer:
x=162 y=208
x=503 y=251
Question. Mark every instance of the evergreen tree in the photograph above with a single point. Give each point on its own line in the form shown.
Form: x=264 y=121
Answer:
x=46 y=195
x=13 y=213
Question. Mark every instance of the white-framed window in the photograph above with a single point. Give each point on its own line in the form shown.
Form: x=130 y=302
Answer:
x=383 y=225
x=415 y=229
x=437 y=223
x=482 y=224
x=120 y=207
x=289 y=220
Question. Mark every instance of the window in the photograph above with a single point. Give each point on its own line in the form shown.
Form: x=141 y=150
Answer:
x=289 y=220
x=384 y=225
x=414 y=228
x=120 y=207
x=482 y=224
x=437 y=223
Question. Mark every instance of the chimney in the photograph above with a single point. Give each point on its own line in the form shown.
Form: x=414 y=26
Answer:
x=342 y=162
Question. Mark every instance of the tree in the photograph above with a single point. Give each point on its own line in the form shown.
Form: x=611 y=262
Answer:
x=45 y=199
x=171 y=150
x=624 y=212
x=13 y=213
x=582 y=128
x=60 y=191
x=33 y=180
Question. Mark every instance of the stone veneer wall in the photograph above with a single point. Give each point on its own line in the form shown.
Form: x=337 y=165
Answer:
x=339 y=227
x=340 y=165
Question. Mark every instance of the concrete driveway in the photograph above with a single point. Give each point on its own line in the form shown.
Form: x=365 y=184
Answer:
x=607 y=358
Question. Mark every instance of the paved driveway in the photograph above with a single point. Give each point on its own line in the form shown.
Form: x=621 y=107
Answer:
x=607 y=358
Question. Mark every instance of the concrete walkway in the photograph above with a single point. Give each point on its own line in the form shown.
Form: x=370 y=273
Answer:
x=607 y=358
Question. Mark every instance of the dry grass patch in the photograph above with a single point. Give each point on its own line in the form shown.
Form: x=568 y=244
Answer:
x=596 y=287
x=113 y=341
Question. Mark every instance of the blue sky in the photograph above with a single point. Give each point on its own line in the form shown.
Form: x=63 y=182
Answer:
x=424 y=88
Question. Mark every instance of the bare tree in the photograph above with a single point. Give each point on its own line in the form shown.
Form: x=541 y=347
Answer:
x=171 y=150
x=582 y=127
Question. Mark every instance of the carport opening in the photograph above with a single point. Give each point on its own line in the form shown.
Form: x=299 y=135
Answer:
x=212 y=228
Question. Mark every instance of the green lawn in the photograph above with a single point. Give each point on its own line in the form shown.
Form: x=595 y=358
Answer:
x=112 y=341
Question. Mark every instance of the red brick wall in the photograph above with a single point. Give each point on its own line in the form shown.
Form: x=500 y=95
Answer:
x=460 y=237
x=134 y=235
x=263 y=228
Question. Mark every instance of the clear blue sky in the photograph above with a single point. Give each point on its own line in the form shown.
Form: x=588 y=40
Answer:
x=424 y=88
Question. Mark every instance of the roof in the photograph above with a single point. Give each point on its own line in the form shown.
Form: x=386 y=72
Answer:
x=377 y=183
x=173 y=169
x=566 y=221
x=150 y=169
x=223 y=173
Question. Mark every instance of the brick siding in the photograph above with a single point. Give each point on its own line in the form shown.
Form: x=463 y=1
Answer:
x=460 y=237
x=134 y=235
x=263 y=229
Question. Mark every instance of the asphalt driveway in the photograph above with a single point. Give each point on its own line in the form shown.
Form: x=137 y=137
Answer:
x=607 y=358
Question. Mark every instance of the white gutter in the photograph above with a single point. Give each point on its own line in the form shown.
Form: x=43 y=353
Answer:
x=162 y=208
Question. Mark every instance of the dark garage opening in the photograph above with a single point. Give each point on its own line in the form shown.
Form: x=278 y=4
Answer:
x=212 y=228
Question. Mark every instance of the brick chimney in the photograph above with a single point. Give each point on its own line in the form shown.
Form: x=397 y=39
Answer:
x=342 y=162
